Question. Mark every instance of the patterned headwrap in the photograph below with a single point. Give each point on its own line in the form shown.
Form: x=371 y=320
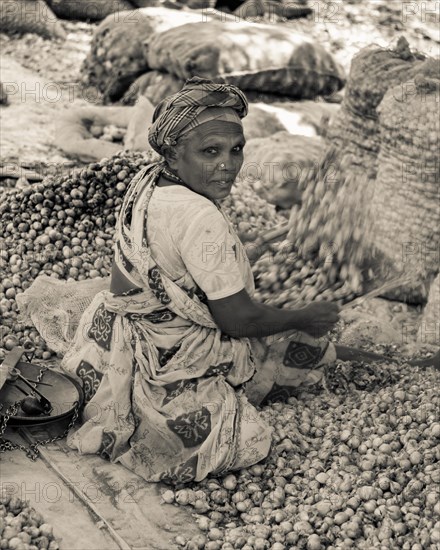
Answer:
x=178 y=113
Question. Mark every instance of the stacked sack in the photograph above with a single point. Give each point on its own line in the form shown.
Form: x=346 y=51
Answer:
x=367 y=224
x=406 y=198
x=155 y=50
x=356 y=130
x=116 y=56
x=30 y=16
x=251 y=56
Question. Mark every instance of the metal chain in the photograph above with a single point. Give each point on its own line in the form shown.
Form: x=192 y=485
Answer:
x=32 y=450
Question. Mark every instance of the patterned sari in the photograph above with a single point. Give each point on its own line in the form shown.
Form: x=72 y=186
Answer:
x=168 y=395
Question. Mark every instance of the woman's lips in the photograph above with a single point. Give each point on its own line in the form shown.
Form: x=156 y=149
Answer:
x=224 y=183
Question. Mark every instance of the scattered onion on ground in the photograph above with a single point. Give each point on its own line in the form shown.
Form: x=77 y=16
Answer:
x=356 y=470
x=22 y=527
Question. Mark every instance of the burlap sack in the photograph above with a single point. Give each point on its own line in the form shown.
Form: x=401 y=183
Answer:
x=300 y=81
x=86 y=10
x=30 y=16
x=251 y=56
x=406 y=199
x=154 y=85
x=373 y=71
x=278 y=162
x=116 y=56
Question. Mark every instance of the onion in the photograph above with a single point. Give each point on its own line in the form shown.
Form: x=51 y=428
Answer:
x=184 y=497
x=367 y=492
x=168 y=496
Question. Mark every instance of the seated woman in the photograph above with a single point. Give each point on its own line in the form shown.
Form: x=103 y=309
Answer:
x=177 y=355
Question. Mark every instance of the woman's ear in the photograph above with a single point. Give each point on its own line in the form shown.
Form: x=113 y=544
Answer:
x=170 y=154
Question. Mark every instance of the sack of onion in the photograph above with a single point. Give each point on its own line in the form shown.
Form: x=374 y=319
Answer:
x=116 y=56
x=30 y=16
x=251 y=56
x=405 y=202
x=355 y=131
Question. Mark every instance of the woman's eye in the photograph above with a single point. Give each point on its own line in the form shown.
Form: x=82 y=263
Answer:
x=211 y=150
x=238 y=148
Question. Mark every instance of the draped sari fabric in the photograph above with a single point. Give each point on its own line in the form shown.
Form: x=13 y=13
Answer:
x=168 y=395
x=161 y=380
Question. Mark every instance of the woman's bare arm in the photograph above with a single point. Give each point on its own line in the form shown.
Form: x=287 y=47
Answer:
x=239 y=316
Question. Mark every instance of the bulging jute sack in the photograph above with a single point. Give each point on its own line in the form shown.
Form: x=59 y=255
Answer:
x=373 y=71
x=406 y=198
x=116 y=56
x=30 y=16
x=251 y=56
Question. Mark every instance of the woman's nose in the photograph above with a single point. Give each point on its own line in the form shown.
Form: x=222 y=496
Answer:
x=229 y=163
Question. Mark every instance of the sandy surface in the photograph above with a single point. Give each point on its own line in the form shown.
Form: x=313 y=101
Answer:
x=47 y=493
x=91 y=503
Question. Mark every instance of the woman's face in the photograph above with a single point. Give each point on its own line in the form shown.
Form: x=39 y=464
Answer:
x=198 y=160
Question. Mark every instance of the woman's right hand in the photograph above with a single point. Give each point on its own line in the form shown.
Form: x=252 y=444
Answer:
x=318 y=318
